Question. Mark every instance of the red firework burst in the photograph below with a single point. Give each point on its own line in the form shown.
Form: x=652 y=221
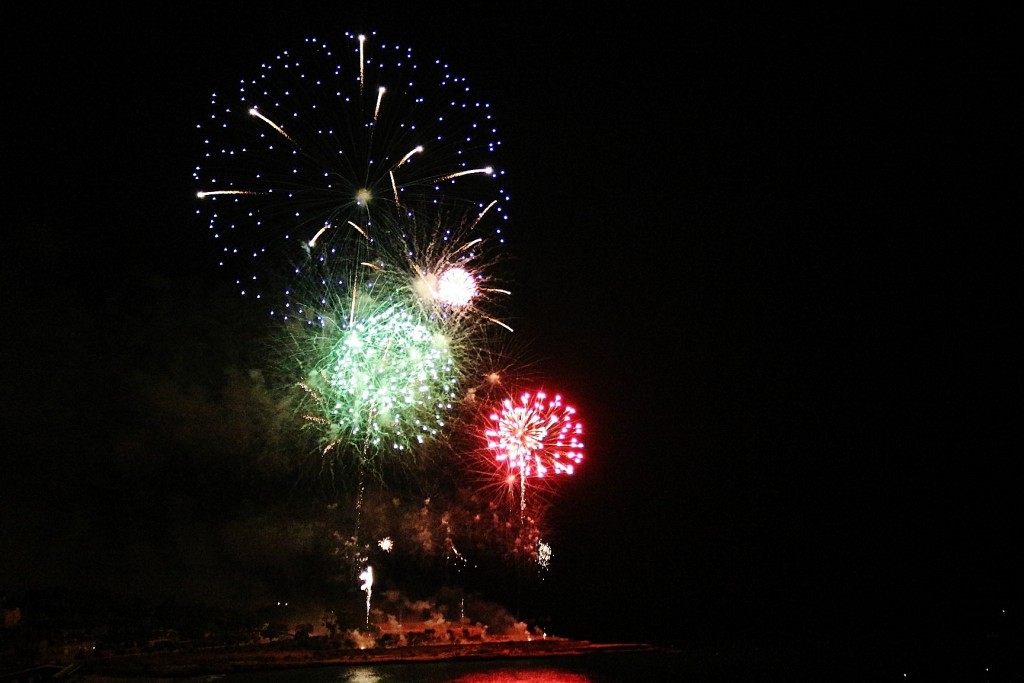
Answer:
x=535 y=437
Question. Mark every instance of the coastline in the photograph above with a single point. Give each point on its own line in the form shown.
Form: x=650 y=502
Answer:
x=210 y=663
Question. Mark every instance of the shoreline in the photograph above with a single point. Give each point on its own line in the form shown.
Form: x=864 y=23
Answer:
x=210 y=663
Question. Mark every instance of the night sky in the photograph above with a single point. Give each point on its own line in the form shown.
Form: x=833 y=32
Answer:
x=769 y=256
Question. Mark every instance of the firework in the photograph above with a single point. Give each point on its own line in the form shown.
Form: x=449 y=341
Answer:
x=377 y=376
x=534 y=437
x=544 y=554
x=357 y=195
x=367 y=578
x=322 y=149
x=383 y=349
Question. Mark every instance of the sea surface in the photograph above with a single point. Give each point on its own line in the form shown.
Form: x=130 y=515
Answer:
x=633 y=667
x=689 y=665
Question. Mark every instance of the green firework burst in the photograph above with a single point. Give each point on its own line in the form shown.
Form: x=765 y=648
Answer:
x=380 y=378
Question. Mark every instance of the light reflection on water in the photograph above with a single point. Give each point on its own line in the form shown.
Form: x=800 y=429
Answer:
x=361 y=675
x=624 y=668
x=534 y=676
x=503 y=675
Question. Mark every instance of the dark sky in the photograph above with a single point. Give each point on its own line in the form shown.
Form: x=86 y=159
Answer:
x=770 y=254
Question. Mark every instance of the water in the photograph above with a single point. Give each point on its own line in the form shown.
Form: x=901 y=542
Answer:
x=805 y=660
x=633 y=667
x=715 y=664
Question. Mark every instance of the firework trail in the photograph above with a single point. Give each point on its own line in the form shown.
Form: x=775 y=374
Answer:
x=367 y=578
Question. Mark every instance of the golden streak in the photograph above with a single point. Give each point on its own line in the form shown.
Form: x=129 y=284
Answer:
x=312 y=242
x=498 y=322
x=360 y=230
x=415 y=150
x=202 y=193
x=481 y=214
x=362 y=39
x=488 y=170
x=376 y=108
x=255 y=112
x=467 y=245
